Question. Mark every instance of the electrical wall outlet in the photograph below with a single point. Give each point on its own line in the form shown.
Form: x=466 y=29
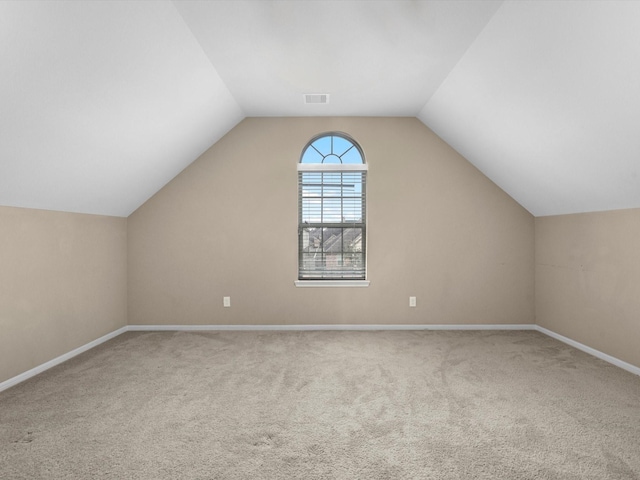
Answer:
x=226 y=301
x=412 y=301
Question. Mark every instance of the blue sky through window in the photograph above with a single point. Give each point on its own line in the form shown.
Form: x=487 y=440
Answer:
x=332 y=149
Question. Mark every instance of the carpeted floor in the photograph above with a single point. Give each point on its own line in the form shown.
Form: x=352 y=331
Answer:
x=325 y=405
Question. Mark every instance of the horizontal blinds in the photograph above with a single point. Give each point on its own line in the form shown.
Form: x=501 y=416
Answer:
x=332 y=229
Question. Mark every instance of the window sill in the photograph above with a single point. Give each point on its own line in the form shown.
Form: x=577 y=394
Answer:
x=332 y=283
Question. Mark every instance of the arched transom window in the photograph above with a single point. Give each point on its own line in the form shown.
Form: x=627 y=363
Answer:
x=332 y=210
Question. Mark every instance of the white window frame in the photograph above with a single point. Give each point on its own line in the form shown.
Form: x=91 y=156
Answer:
x=318 y=167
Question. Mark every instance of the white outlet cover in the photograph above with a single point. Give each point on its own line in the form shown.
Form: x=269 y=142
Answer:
x=412 y=301
x=226 y=301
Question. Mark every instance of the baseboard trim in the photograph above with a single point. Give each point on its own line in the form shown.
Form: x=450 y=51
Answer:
x=58 y=360
x=353 y=327
x=591 y=351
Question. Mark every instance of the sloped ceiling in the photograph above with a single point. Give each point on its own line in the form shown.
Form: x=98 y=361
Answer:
x=546 y=102
x=103 y=102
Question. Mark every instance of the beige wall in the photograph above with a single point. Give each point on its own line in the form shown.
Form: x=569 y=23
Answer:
x=438 y=229
x=62 y=284
x=588 y=279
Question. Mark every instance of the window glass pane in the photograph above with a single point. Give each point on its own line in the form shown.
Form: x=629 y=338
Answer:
x=331 y=210
x=352 y=240
x=332 y=240
x=332 y=178
x=311 y=210
x=329 y=190
x=311 y=262
x=352 y=157
x=332 y=159
x=311 y=179
x=331 y=197
x=333 y=262
x=333 y=150
x=311 y=239
x=332 y=253
x=352 y=210
x=323 y=145
x=352 y=183
x=310 y=197
x=341 y=145
x=312 y=190
x=311 y=155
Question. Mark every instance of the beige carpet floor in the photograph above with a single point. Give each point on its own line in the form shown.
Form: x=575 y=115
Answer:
x=325 y=405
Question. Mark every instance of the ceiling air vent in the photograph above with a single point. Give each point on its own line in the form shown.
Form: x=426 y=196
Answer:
x=316 y=98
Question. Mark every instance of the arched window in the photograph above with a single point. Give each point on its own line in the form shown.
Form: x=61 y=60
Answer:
x=332 y=211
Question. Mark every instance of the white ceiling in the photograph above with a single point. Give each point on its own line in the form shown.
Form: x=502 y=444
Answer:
x=546 y=102
x=103 y=102
x=374 y=58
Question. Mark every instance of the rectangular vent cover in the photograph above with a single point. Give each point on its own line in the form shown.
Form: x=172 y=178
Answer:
x=316 y=98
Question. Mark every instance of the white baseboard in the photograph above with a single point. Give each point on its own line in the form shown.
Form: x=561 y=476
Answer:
x=217 y=328
x=58 y=360
x=355 y=327
x=591 y=351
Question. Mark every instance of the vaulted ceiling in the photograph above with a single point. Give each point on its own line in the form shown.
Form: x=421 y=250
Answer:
x=103 y=102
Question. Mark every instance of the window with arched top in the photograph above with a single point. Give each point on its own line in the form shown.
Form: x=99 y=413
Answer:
x=332 y=231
